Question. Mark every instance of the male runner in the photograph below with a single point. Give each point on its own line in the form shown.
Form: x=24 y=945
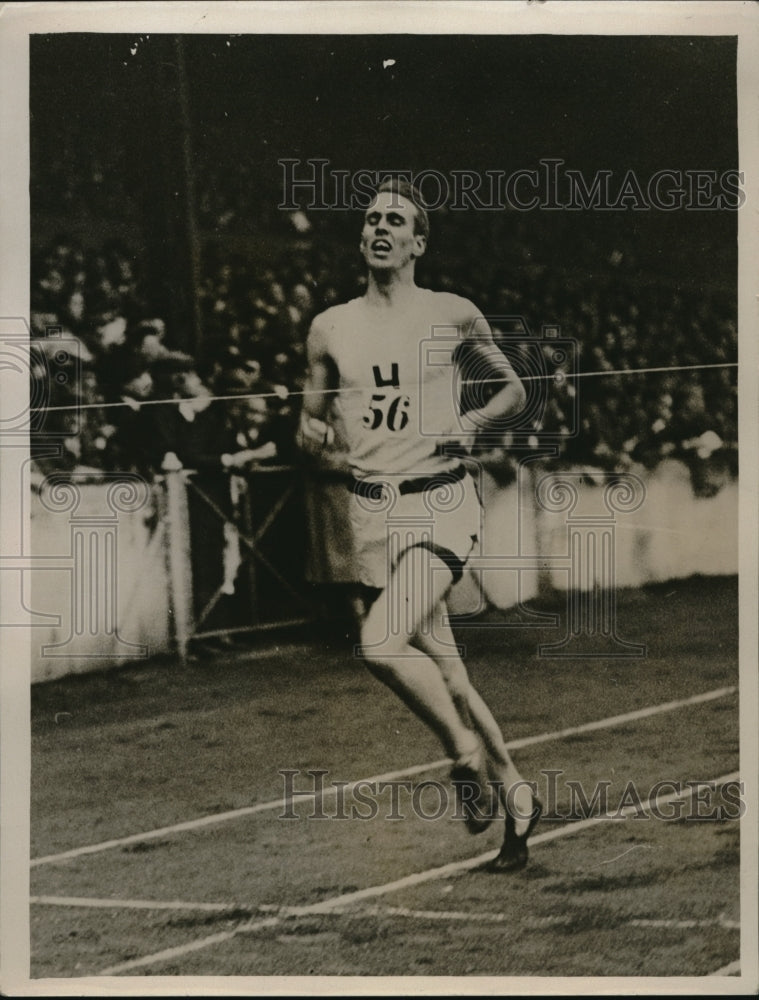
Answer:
x=415 y=512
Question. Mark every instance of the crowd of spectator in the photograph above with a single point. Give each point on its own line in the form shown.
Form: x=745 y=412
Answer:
x=108 y=391
x=101 y=354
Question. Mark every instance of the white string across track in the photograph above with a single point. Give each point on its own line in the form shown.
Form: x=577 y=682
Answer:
x=296 y=393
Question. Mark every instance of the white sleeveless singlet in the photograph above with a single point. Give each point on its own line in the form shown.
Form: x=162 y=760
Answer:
x=398 y=391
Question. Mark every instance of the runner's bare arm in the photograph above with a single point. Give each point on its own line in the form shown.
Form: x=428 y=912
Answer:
x=486 y=358
x=319 y=391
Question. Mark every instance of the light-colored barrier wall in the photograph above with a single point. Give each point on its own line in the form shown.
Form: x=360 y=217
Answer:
x=658 y=529
x=100 y=592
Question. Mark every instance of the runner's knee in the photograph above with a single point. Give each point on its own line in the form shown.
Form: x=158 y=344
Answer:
x=455 y=677
x=378 y=643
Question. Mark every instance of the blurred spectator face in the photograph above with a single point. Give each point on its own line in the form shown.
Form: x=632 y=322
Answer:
x=151 y=348
x=125 y=270
x=300 y=222
x=113 y=332
x=53 y=282
x=76 y=306
x=139 y=387
x=693 y=406
x=73 y=444
x=42 y=321
x=153 y=328
x=256 y=412
x=60 y=250
x=302 y=298
x=190 y=385
x=664 y=406
x=249 y=415
x=88 y=385
x=253 y=368
x=281 y=367
x=246 y=412
x=148 y=339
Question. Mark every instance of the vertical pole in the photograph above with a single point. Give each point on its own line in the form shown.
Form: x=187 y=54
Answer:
x=528 y=496
x=177 y=522
x=188 y=176
x=246 y=513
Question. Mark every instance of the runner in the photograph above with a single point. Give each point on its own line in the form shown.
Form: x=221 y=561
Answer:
x=415 y=513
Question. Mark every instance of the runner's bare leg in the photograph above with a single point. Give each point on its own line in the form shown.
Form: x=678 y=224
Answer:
x=439 y=644
x=402 y=611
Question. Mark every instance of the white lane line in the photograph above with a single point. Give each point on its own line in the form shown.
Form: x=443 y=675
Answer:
x=345 y=899
x=733 y=969
x=311 y=798
x=536 y=923
x=456 y=915
x=186 y=949
x=133 y=904
x=729 y=925
x=618 y=720
x=308 y=798
x=91 y=902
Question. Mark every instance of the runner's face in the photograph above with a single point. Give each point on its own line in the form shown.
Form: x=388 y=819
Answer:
x=388 y=240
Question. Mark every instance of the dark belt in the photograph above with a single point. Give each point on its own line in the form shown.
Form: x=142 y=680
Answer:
x=373 y=490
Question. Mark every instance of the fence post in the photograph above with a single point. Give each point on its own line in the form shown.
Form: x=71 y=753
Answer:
x=245 y=515
x=177 y=521
x=528 y=495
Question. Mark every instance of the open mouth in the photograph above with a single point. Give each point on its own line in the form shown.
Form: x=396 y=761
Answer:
x=381 y=246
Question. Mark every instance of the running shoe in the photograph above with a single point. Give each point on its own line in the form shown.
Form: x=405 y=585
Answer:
x=514 y=853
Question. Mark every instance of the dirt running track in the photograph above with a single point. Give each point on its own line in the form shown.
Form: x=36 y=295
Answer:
x=120 y=760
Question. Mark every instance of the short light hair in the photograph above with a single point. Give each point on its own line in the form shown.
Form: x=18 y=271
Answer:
x=407 y=191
